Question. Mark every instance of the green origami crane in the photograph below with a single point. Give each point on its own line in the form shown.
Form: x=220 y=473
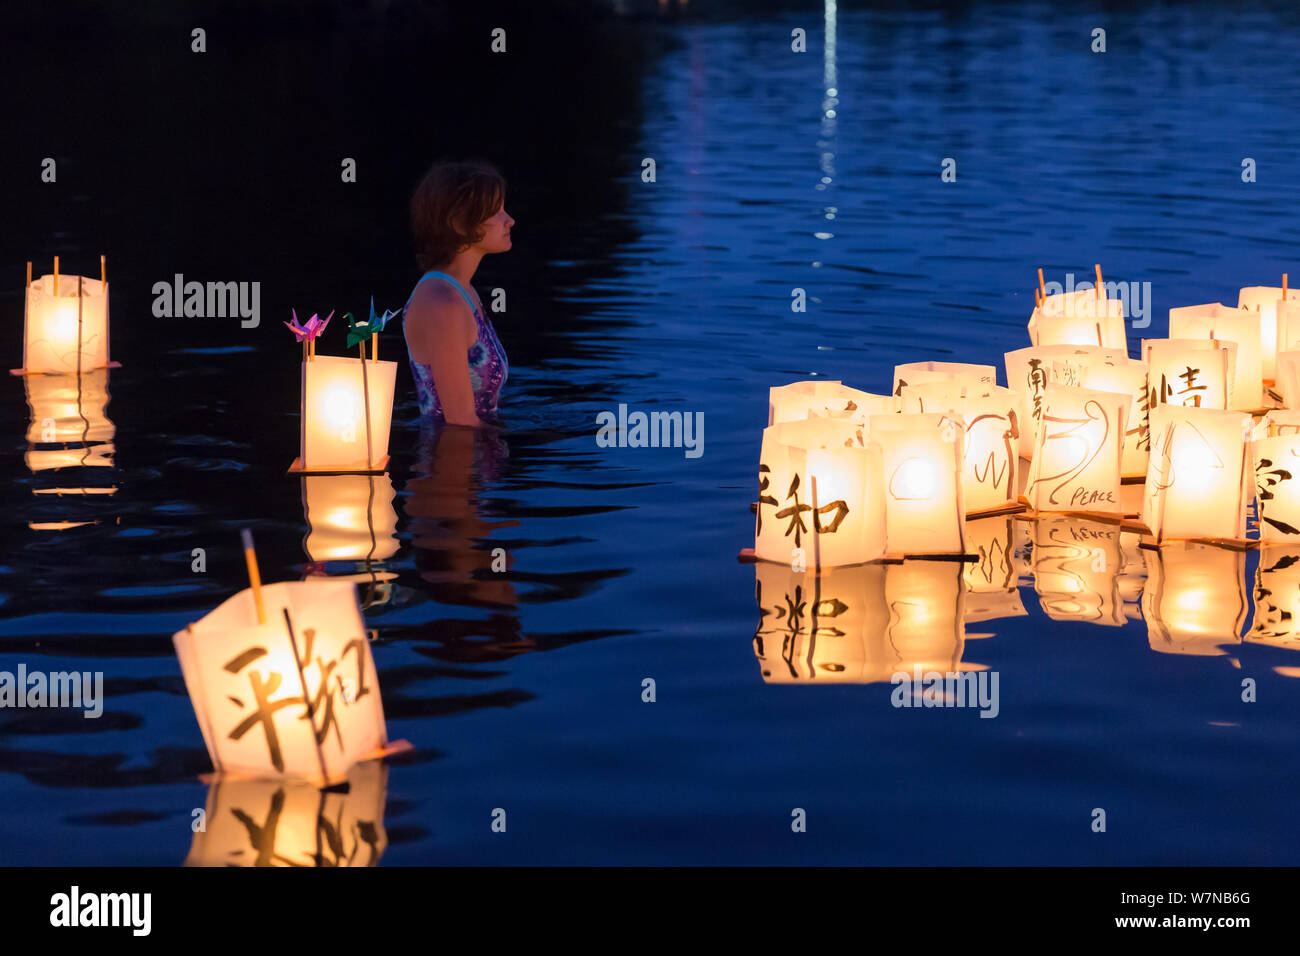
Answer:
x=359 y=332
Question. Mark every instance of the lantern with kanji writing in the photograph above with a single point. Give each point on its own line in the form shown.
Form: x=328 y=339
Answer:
x=1129 y=378
x=258 y=822
x=820 y=498
x=822 y=399
x=1076 y=565
x=1277 y=484
x=1193 y=373
x=1199 y=480
x=1242 y=326
x=1079 y=318
x=66 y=324
x=921 y=459
x=1078 y=451
x=1030 y=371
x=283 y=683
x=347 y=408
x=1194 y=600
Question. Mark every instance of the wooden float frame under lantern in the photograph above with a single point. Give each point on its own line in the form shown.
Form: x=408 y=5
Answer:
x=27 y=291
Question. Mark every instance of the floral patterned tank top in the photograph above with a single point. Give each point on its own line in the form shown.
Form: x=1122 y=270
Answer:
x=488 y=367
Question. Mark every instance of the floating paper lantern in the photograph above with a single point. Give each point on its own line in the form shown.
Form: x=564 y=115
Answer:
x=66 y=324
x=283 y=683
x=1242 y=326
x=992 y=581
x=799 y=400
x=861 y=624
x=1077 y=455
x=1277 y=597
x=350 y=517
x=1079 y=318
x=1076 y=564
x=1193 y=373
x=1267 y=302
x=915 y=373
x=820 y=498
x=1287 y=383
x=291 y=823
x=990 y=449
x=1279 y=421
x=1199 y=480
x=1029 y=372
x=1194 y=600
x=1277 y=484
x=921 y=459
x=347 y=408
x=1128 y=377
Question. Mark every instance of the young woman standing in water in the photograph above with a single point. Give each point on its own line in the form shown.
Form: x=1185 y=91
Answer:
x=458 y=216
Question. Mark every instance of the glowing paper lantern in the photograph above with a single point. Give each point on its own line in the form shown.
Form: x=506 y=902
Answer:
x=351 y=517
x=1242 y=326
x=819 y=495
x=1077 y=563
x=296 y=695
x=1267 y=302
x=1129 y=378
x=1277 y=483
x=1077 y=456
x=1079 y=318
x=990 y=450
x=291 y=823
x=921 y=459
x=1279 y=421
x=1029 y=372
x=66 y=326
x=915 y=373
x=1194 y=600
x=992 y=581
x=799 y=400
x=1287 y=383
x=1193 y=373
x=1277 y=597
x=337 y=393
x=1288 y=321
x=1199 y=479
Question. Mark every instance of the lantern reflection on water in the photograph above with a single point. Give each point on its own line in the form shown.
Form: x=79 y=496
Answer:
x=800 y=400
x=1077 y=455
x=1199 y=480
x=294 y=696
x=1076 y=568
x=861 y=624
x=1193 y=373
x=819 y=495
x=1277 y=597
x=921 y=460
x=351 y=518
x=1194 y=600
x=337 y=394
x=292 y=823
x=69 y=433
x=1240 y=326
x=992 y=581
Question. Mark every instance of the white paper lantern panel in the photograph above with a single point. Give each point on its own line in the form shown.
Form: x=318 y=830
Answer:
x=916 y=373
x=921 y=457
x=1279 y=421
x=1076 y=465
x=296 y=696
x=1029 y=371
x=1128 y=378
x=1242 y=326
x=1079 y=318
x=820 y=501
x=1267 y=302
x=67 y=332
x=799 y=400
x=1192 y=373
x=1288 y=323
x=1277 y=485
x=1287 y=383
x=334 y=405
x=1199 y=479
x=1195 y=601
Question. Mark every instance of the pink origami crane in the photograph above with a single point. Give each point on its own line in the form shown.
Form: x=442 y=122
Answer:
x=309 y=330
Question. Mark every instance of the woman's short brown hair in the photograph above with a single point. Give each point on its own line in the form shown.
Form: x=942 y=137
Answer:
x=448 y=206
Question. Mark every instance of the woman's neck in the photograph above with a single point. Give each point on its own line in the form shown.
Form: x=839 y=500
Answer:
x=463 y=267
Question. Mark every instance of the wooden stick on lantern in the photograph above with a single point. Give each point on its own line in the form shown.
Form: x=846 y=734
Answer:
x=103 y=270
x=1042 y=289
x=365 y=392
x=254 y=578
x=306 y=695
x=56 y=276
x=1101 y=295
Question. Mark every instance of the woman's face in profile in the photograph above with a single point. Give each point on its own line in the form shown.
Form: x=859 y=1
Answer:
x=496 y=232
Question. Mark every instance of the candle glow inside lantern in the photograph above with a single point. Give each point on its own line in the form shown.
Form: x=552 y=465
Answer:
x=820 y=502
x=916 y=373
x=1242 y=326
x=1268 y=303
x=1078 y=452
x=1131 y=379
x=991 y=445
x=1200 y=479
x=66 y=324
x=1079 y=318
x=1194 y=599
x=1287 y=383
x=1029 y=372
x=1277 y=485
x=1077 y=564
x=252 y=822
x=823 y=399
x=350 y=517
x=1193 y=373
x=294 y=696
x=921 y=457
x=337 y=394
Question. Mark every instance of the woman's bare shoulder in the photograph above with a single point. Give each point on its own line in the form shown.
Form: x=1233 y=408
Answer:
x=439 y=303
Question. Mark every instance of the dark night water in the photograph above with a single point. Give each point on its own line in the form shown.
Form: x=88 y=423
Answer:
x=523 y=691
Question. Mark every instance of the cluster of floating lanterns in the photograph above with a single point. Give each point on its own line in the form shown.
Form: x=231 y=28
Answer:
x=280 y=676
x=1166 y=453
